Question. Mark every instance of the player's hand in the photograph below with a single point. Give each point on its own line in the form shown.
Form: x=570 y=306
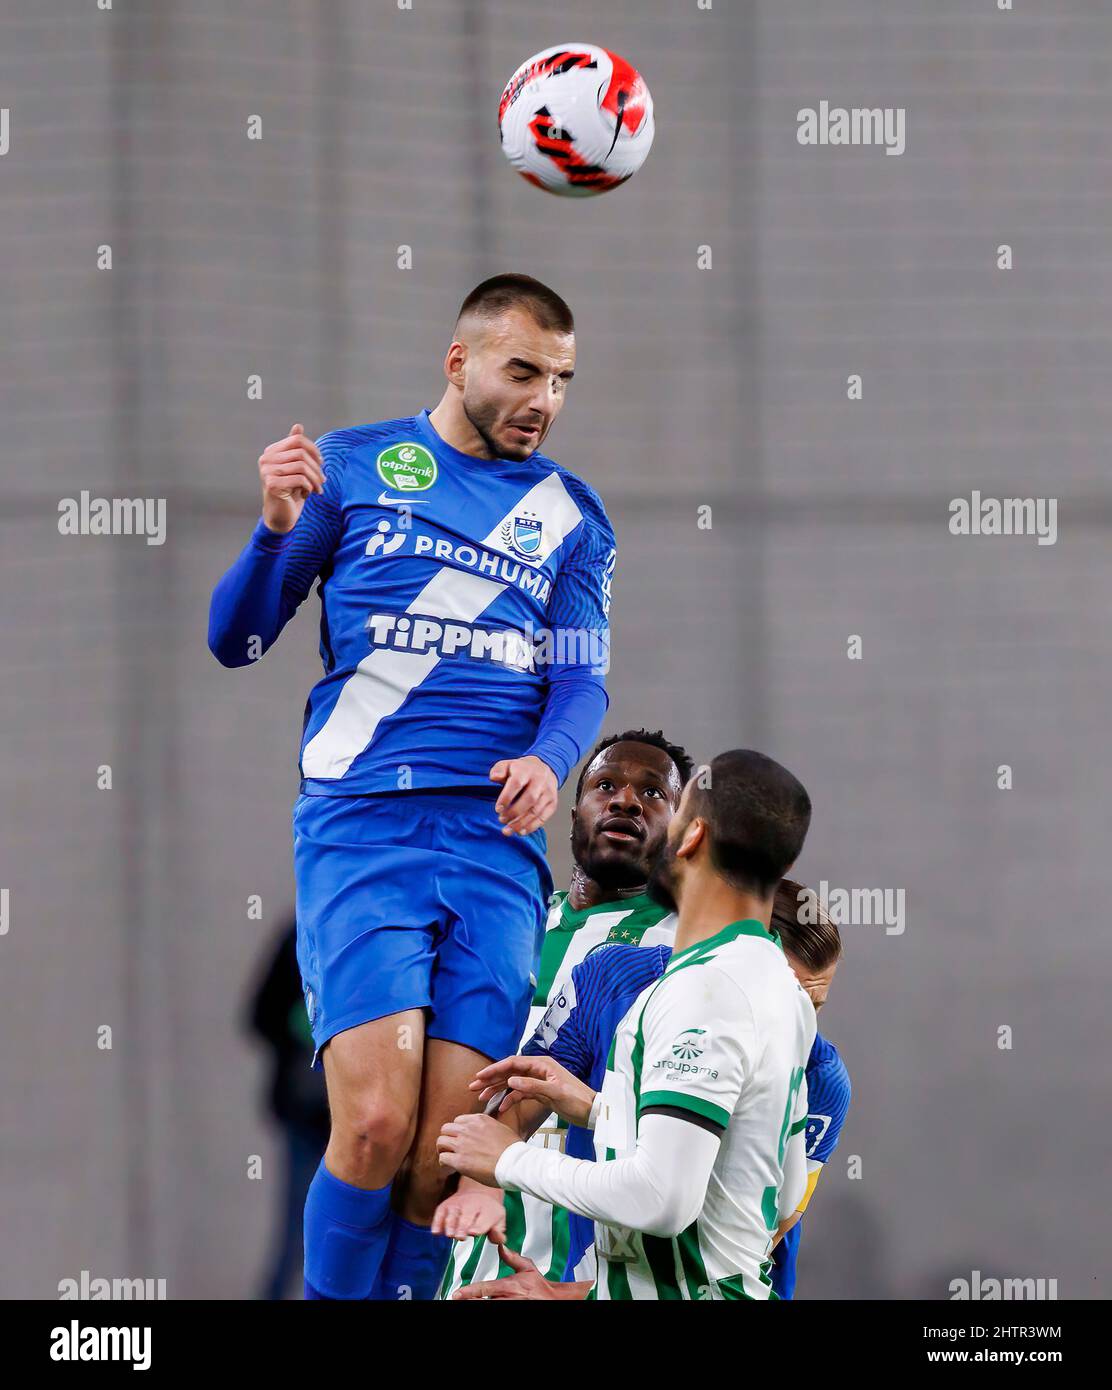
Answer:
x=526 y=1281
x=473 y=1144
x=536 y=1078
x=528 y=795
x=289 y=470
x=472 y=1210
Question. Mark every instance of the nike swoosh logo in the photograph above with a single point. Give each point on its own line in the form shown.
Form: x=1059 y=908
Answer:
x=385 y=501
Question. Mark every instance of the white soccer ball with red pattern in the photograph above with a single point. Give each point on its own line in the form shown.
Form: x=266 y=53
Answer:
x=576 y=120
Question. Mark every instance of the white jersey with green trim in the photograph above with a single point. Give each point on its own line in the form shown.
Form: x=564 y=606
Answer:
x=535 y=1228
x=724 y=1035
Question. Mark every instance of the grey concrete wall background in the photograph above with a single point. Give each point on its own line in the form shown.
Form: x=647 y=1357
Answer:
x=128 y=907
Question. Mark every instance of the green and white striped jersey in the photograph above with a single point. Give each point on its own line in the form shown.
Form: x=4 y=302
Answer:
x=725 y=1033
x=537 y=1229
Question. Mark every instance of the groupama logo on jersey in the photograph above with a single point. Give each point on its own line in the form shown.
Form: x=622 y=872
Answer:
x=690 y=1044
x=407 y=467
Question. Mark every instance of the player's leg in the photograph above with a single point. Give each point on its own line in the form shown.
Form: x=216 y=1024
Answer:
x=365 y=949
x=445 y=1093
x=494 y=890
x=373 y=1074
x=414 y=1264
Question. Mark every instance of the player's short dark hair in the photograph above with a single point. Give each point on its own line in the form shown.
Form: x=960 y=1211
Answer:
x=655 y=739
x=503 y=292
x=816 y=941
x=757 y=814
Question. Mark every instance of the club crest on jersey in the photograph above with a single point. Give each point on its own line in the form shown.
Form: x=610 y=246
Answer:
x=523 y=536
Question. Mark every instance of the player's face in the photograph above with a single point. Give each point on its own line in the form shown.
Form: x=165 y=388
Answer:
x=664 y=874
x=515 y=378
x=817 y=984
x=620 y=821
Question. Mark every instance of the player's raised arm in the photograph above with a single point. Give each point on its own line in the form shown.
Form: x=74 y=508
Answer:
x=296 y=535
x=578 y=658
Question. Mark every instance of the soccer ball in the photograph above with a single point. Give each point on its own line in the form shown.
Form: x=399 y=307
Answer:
x=576 y=120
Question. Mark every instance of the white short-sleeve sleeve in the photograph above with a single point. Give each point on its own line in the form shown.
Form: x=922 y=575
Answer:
x=697 y=1043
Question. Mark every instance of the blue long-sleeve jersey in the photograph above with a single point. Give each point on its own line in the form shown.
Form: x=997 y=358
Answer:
x=464 y=611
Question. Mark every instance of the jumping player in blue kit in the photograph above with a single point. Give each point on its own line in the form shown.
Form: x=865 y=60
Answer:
x=465 y=591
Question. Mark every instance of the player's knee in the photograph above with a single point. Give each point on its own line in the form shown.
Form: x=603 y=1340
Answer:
x=374 y=1132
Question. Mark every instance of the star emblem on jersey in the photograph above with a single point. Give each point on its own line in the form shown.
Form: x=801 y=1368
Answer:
x=524 y=536
x=407 y=467
x=690 y=1044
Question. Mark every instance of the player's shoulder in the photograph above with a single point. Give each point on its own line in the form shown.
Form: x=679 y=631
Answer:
x=591 y=506
x=660 y=931
x=342 y=444
x=748 y=965
x=753 y=958
x=612 y=968
x=826 y=1068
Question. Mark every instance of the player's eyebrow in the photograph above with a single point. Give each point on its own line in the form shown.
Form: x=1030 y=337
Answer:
x=522 y=365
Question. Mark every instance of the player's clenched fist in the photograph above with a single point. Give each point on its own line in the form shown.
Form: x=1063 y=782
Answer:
x=289 y=470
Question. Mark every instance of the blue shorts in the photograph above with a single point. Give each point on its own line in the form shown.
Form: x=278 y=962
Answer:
x=418 y=902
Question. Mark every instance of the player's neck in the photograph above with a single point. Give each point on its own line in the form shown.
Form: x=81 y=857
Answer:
x=586 y=892
x=709 y=903
x=452 y=425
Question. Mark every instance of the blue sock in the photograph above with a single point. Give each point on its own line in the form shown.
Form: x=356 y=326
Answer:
x=346 y=1229
x=414 y=1264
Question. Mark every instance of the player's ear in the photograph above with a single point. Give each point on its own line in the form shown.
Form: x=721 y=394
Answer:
x=454 y=363
x=695 y=832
